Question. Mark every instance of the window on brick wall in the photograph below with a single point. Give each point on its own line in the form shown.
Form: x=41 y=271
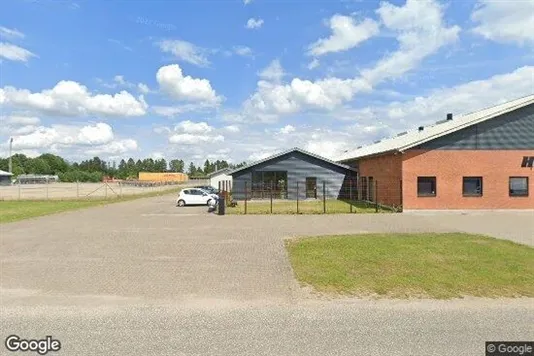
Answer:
x=472 y=187
x=426 y=186
x=518 y=187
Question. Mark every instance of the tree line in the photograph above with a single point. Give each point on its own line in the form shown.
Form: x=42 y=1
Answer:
x=95 y=169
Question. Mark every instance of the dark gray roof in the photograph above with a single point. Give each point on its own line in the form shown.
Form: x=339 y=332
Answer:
x=295 y=149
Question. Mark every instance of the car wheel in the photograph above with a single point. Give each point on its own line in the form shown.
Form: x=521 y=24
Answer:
x=181 y=202
x=208 y=202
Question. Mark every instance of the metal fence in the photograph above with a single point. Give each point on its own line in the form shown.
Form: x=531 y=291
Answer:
x=107 y=190
x=314 y=197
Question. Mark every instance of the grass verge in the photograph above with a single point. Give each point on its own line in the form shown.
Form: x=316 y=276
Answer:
x=15 y=210
x=333 y=206
x=440 y=266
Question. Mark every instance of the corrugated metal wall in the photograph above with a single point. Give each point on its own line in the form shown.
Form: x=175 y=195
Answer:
x=512 y=131
x=298 y=167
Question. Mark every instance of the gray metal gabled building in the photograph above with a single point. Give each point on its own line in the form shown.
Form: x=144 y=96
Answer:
x=279 y=174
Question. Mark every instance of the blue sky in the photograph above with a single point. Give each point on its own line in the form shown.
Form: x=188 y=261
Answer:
x=239 y=80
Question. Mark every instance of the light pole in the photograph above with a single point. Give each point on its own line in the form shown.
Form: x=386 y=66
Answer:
x=10 y=155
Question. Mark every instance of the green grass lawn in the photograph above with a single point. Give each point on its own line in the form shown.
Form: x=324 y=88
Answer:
x=14 y=210
x=414 y=265
x=333 y=206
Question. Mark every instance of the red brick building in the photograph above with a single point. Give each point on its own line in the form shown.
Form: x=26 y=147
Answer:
x=482 y=160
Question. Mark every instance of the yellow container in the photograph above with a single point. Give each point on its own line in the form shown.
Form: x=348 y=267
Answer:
x=163 y=177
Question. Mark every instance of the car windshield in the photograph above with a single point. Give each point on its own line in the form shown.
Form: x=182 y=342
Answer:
x=266 y=177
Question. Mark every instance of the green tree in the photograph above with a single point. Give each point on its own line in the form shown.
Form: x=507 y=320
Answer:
x=176 y=165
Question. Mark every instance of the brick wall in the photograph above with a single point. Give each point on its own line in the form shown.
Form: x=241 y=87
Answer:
x=386 y=171
x=449 y=167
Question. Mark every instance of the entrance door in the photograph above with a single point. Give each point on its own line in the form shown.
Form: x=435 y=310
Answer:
x=311 y=187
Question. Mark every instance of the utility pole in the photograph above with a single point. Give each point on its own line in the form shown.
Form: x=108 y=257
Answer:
x=10 y=155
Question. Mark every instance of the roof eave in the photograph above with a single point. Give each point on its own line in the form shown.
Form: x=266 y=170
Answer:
x=372 y=155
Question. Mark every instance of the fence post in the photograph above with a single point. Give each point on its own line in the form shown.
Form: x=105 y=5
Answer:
x=47 y=189
x=246 y=183
x=376 y=196
x=297 y=197
x=19 y=190
x=350 y=194
x=324 y=197
x=271 y=191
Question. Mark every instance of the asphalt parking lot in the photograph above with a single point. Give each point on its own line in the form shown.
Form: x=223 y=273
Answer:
x=180 y=281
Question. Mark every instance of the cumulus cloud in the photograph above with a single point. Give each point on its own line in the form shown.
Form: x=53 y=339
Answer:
x=193 y=133
x=118 y=147
x=415 y=23
x=185 y=51
x=43 y=137
x=69 y=98
x=253 y=24
x=274 y=98
x=172 y=81
x=347 y=33
x=15 y=53
x=505 y=21
x=273 y=72
x=287 y=129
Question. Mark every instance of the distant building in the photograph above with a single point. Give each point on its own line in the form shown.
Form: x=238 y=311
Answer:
x=36 y=179
x=5 y=178
x=163 y=177
x=222 y=175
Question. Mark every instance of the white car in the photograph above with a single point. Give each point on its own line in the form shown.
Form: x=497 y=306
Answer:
x=195 y=196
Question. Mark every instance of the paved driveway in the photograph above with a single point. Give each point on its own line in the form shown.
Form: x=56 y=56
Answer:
x=175 y=281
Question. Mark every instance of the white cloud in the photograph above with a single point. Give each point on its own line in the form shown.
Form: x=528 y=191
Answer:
x=194 y=133
x=313 y=64
x=420 y=32
x=185 y=51
x=191 y=127
x=464 y=98
x=117 y=147
x=243 y=51
x=176 y=110
x=414 y=23
x=505 y=21
x=287 y=129
x=15 y=53
x=246 y=2
x=120 y=82
x=44 y=137
x=19 y=120
x=185 y=88
x=98 y=134
x=232 y=128
x=69 y=98
x=273 y=72
x=347 y=33
x=253 y=23
x=325 y=94
x=10 y=33
x=143 y=88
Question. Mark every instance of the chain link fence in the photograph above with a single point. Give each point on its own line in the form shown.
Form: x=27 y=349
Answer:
x=107 y=190
x=313 y=197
